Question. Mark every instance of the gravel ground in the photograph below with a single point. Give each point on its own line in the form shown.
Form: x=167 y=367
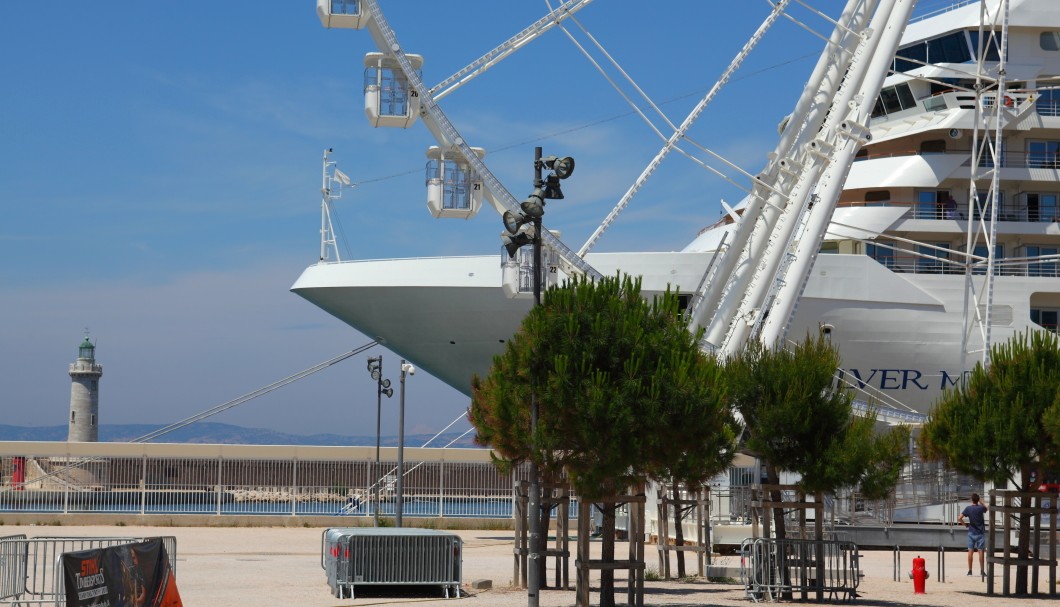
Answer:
x=236 y=567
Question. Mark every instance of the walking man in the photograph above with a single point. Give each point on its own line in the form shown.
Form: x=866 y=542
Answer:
x=972 y=518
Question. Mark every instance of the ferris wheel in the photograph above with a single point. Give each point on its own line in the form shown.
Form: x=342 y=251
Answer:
x=790 y=202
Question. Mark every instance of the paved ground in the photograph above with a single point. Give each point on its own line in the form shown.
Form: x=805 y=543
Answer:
x=237 y=567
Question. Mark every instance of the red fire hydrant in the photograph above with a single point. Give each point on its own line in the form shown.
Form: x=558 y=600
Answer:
x=919 y=574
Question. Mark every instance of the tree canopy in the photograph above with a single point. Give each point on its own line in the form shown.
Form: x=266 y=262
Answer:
x=1004 y=417
x=797 y=420
x=624 y=391
x=1003 y=422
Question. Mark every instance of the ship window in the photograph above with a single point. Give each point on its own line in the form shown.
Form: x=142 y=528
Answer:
x=882 y=251
x=1048 y=101
x=931 y=204
x=1042 y=268
x=1040 y=207
x=1046 y=318
x=933 y=146
x=943 y=85
x=877 y=198
x=991 y=49
x=929 y=263
x=894 y=99
x=1003 y=213
x=830 y=246
x=981 y=251
x=1043 y=154
x=951 y=48
x=1049 y=41
x=905 y=59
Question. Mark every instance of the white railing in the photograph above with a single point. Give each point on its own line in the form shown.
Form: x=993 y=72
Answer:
x=278 y=485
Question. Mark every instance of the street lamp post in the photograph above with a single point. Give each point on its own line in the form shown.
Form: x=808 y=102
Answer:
x=406 y=369
x=533 y=209
x=375 y=367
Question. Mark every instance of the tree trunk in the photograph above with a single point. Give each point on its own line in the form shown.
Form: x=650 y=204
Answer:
x=818 y=536
x=679 y=532
x=607 y=555
x=773 y=478
x=544 y=519
x=1023 y=543
x=779 y=532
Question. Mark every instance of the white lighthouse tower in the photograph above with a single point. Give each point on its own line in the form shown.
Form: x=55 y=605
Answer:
x=84 y=395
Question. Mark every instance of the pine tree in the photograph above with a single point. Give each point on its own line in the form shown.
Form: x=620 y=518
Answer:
x=797 y=420
x=1001 y=423
x=624 y=392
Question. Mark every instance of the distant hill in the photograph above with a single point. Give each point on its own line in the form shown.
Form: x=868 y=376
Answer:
x=227 y=434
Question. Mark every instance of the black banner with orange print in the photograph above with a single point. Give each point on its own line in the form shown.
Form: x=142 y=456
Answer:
x=130 y=575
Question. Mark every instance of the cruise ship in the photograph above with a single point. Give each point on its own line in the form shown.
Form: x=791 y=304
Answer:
x=961 y=149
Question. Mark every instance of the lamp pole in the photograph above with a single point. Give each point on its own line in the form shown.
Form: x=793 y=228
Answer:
x=375 y=471
x=406 y=369
x=533 y=567
x=516 y=236
x=382 y=386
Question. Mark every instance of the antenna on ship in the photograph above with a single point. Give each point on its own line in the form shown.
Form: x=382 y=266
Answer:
x=330 y=190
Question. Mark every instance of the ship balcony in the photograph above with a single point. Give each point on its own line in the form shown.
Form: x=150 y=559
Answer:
x=931 y=260
x=900 y=107
x=1018 y=212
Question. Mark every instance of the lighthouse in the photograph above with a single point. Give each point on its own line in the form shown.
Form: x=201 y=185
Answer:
x=84 y=395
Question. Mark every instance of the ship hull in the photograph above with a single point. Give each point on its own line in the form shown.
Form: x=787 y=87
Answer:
x=900 y=335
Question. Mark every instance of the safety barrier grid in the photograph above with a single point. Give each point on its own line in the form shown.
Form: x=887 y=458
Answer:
x=896 y=562
x=31 y=568
x=366 y=556
x=272 y=486
x=12 y=568
x=772 y=569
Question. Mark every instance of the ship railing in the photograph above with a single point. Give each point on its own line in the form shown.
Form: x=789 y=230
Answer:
x=1007 y=158
x=1048 y=106
x=1021 y=211
x=941 y=11
x=912 y=264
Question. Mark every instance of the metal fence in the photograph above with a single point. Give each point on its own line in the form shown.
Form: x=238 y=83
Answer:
x=771 y=569
x=255 y=486
x=366 y=556
x=31 y=568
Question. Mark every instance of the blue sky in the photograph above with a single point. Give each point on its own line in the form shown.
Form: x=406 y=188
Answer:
x=160 y=167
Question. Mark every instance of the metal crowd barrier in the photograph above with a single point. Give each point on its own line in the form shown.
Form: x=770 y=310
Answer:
x=356 y=556
x=772 y=569
x=31 y=569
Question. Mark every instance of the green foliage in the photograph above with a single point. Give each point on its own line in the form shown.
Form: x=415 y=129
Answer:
x=1005 y=416
x=623 y=390
x=797 y=422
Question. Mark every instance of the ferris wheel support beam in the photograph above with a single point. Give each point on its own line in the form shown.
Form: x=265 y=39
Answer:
x=831 y=151
x=448 y=137
x=495 y=56
x=680 y=132
x=716 y=303
x=769 y=258
x=774 y=326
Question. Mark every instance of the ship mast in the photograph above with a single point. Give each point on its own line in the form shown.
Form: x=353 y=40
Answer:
x=328 y=194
